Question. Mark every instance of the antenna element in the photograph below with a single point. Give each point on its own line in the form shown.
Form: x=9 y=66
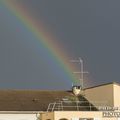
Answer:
x=81 y=72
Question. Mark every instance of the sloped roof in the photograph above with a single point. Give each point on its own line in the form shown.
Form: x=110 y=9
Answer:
x=31 y=100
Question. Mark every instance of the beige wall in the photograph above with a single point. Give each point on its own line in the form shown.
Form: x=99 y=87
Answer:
x=69 y=115
x=47 y=115
x=100 y=94
x=116 y=95
x=77 y=114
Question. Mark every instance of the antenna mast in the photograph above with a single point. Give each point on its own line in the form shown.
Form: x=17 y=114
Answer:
x=81 y=72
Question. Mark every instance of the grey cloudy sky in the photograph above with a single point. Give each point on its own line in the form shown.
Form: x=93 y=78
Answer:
x=86 y=28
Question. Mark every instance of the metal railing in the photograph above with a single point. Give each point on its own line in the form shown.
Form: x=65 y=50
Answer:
x=76 y=105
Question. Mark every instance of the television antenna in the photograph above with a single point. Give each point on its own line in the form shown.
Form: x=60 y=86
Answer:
x=81 y=72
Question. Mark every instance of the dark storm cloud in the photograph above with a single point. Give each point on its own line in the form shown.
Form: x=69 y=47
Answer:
x=86 y=28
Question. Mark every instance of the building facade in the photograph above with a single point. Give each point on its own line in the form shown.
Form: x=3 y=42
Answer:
x=96 y=103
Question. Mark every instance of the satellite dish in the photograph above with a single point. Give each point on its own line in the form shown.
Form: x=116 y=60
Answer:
x=76 y=90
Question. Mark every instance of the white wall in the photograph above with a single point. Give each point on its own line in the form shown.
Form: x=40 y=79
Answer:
x=18 y=117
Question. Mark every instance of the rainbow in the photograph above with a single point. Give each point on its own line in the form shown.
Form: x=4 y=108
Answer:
x=46 y=39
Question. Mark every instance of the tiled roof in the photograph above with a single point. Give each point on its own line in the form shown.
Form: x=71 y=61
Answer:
x=32 y=100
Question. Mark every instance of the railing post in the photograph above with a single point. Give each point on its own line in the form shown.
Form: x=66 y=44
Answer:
x=53 y=106
x=90 y=106
x=48 y=107
x=77 y=106
x=61 y=105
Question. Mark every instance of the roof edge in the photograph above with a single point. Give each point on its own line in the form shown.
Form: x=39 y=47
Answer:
x=115 y=83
